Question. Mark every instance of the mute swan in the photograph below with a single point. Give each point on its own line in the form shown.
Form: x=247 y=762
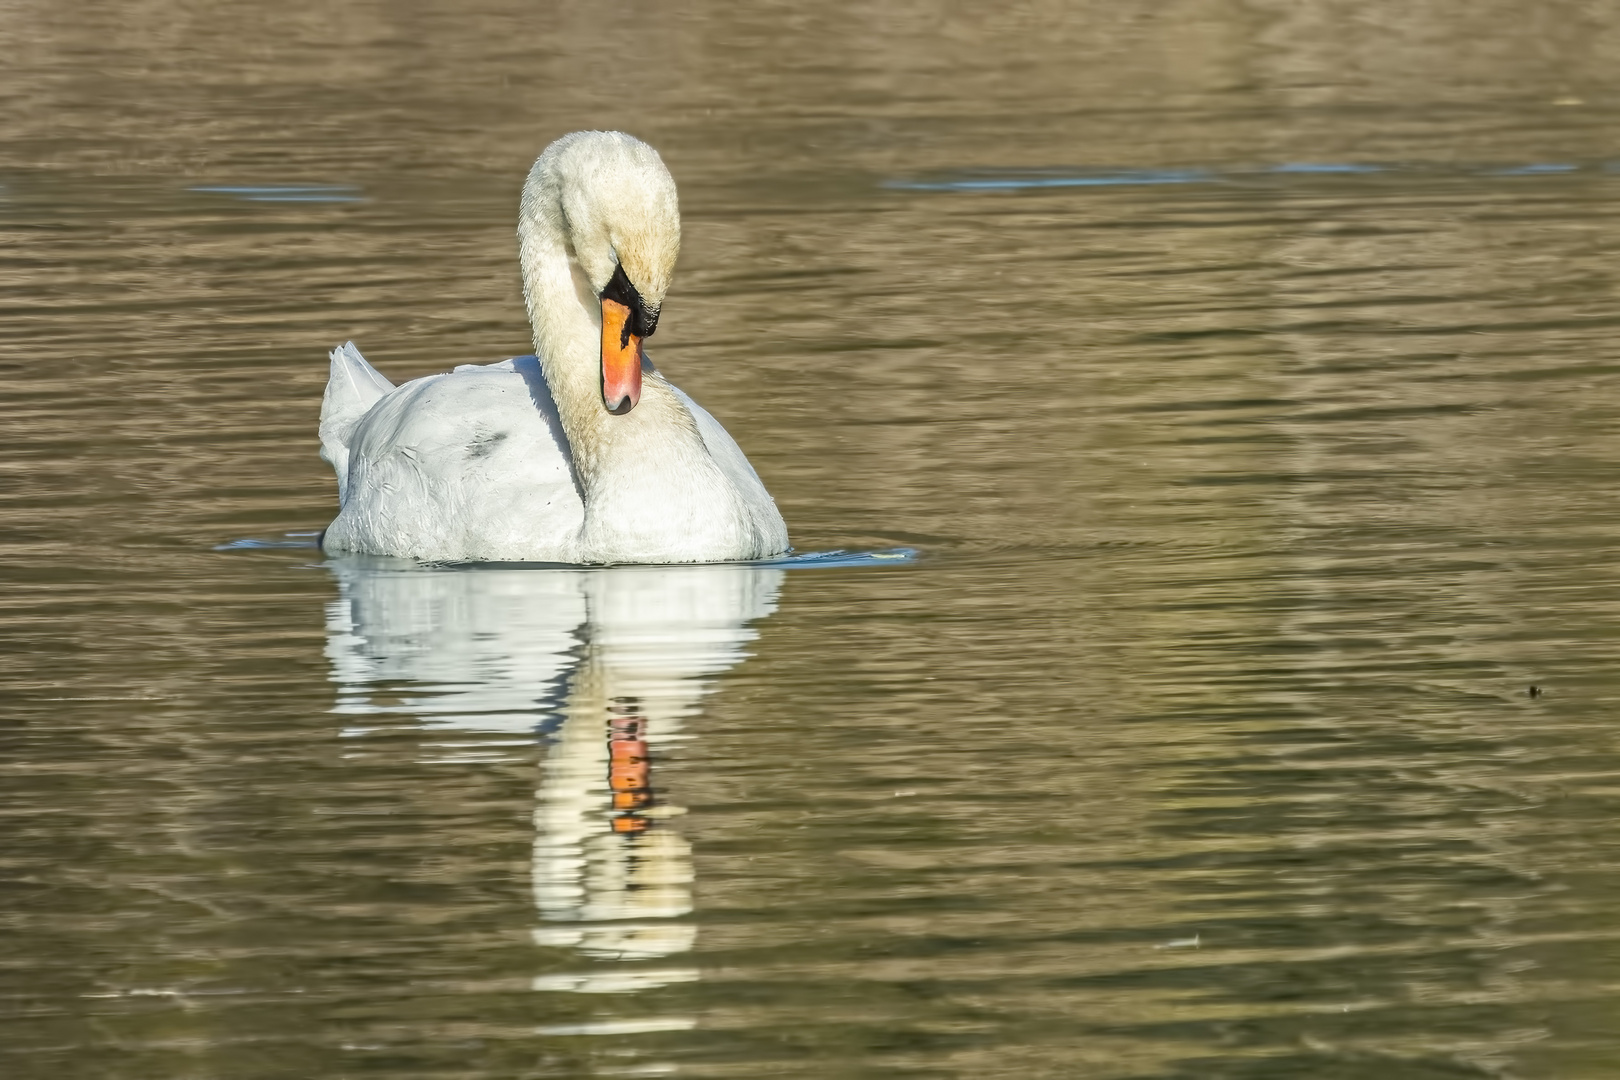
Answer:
x=583 y=453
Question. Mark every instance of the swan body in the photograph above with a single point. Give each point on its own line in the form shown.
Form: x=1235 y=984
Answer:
x=582 y=453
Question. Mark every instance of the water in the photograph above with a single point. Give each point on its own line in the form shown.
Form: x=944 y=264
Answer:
x=1241 y=375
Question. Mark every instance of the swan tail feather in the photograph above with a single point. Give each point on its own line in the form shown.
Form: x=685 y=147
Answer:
x=353 y=388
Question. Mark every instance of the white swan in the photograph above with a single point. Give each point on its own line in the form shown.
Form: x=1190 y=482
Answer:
x=581 y=454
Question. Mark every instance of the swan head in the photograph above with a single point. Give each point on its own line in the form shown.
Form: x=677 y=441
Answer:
x=615 y=204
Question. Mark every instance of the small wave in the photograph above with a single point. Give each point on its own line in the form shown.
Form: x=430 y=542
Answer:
x=838 y=557
x=797 y=560
x=1037 y=179
x=294 y=540
x=328 y=193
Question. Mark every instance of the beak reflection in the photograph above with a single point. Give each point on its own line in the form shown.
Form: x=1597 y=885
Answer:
x=603 y=668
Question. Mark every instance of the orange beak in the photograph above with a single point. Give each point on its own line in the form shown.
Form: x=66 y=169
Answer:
x=621 y=359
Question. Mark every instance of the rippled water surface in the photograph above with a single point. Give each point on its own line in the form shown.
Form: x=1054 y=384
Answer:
x=1242 y=374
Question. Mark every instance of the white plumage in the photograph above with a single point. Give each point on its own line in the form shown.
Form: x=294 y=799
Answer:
x=521 y=460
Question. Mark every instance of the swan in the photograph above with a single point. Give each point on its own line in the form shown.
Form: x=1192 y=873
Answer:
x=582 y=453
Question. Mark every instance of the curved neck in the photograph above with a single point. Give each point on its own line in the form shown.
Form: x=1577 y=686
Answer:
x=626 y=465
x=562 y=312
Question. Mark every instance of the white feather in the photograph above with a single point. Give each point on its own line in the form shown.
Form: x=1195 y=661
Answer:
x=520 y=461
x=354 y=387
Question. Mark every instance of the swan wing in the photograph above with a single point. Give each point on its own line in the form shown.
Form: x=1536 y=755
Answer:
x=468 y=466
x=352 y=389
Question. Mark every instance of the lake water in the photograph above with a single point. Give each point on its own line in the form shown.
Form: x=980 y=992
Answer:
x=1242 y=375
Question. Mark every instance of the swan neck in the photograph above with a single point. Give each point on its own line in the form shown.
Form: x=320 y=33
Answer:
x=563 y=315
x=614 y=457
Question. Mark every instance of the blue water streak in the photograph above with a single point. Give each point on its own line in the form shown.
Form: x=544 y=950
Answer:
x=330 y=193
x=293 y=540
x=839 y=557
x=1021 y=183
x=1047 y=179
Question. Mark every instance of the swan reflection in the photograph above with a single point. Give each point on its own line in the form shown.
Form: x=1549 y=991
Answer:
x=604 y=666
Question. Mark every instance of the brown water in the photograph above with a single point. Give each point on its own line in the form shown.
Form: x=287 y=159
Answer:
x=1243 y=374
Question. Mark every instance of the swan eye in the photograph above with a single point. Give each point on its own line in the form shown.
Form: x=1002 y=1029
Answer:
x=642 y=322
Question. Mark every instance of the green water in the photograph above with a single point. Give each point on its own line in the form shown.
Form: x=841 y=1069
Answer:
x=1242 y=374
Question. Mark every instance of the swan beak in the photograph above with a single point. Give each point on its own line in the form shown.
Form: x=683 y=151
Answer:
x=621 y=359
